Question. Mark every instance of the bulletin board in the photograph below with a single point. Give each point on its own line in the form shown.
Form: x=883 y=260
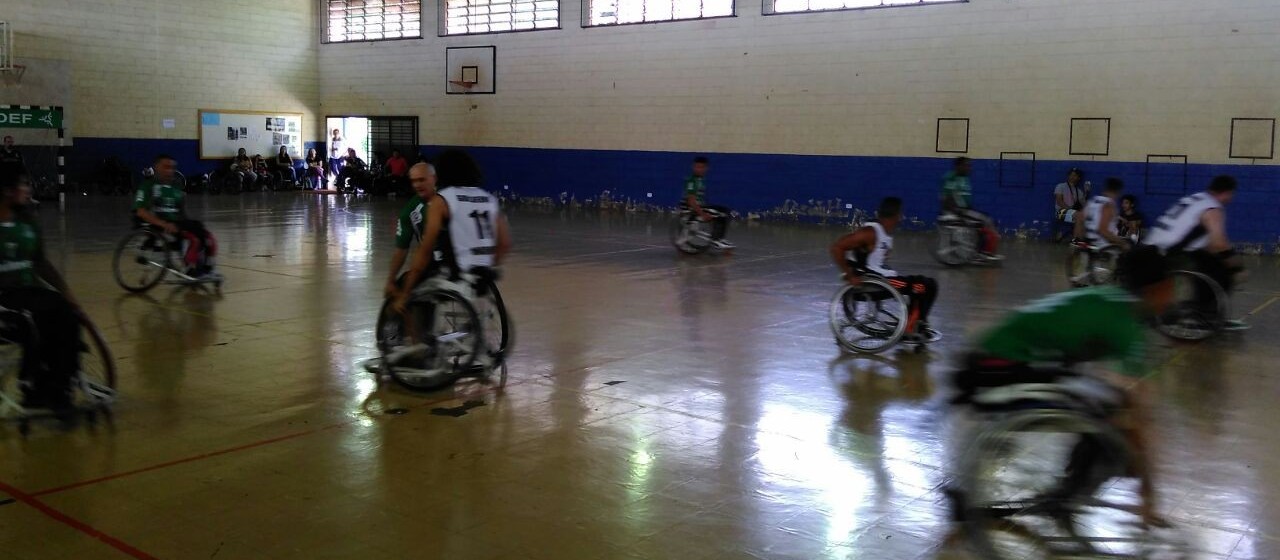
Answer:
x=223 y=133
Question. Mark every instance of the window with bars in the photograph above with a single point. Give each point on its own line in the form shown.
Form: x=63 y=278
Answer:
x=794 y=6
x=393 y=133
x=464 y=17
x=618 y=12
x=372 y=20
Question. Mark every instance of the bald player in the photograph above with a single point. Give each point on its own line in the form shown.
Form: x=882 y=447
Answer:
x=422 y=176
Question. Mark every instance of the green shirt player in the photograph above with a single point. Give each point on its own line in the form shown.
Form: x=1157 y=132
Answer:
x=160 y=201
x=956 y=198
x=26 y=276
x=695 y=198
x=1086 y=325
x=422 y=176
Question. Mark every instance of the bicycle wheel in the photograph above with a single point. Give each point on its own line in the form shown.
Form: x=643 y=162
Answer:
x=869 y=318
x=494 y=321
x=97 y=383
x=141 y=260
x=1033 y=487
x=1197 y=310
x=441 y=342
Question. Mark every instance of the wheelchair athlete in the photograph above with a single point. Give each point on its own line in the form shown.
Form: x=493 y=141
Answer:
x=867 y=249
x=1088 y=324
x=955 y=197
x=1196 y=228
x=410 y=222
x=26 y=276
x=1097 y=225
x=159 y=202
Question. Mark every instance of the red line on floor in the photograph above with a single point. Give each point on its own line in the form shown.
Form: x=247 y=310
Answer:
x=246 y=446
x=74 y=523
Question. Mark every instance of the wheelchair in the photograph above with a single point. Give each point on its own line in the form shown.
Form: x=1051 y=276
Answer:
x=146 y=256
x=690 y=235
x=93 y=388
x=959 y=239
x=1034 y=470
x=1089 y=265
x=457 y=328
x=1199 y=309
x=872 y=317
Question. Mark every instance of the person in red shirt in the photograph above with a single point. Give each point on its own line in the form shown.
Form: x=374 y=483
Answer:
x=397 y=171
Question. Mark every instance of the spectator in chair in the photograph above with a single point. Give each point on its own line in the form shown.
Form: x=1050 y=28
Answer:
x=1069 y=199
x=315 y=169
x=284 y=164
x=243 y=164
x=352 y=167
x=1131 y=220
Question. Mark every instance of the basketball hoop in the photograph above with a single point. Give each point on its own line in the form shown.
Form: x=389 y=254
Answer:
x=13 y=75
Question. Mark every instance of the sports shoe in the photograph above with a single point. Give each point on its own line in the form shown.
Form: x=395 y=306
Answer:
x=722 y=244
x=930 y=335
x=1235 y=325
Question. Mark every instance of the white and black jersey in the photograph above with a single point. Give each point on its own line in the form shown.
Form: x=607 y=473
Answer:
x=1180 y=228
x=472 y=227
x=1093 y=221
x=876 y=260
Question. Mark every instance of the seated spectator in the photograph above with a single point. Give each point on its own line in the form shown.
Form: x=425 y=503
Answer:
x=352 y=167
x=243 y=165
x=1069 y=199
x=1130 y=218
x=315 y=169
x=284 y=164
x=11 y=157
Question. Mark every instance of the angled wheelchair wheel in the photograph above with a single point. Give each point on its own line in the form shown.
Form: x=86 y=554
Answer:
x=1032 y=485
x=957 y=245
x=97 y=383
x=690 y=235
x=869 y=318
x=141 y=260
x=389 y=330
x=1198 y=309
x=442 y=339
x=494 y=321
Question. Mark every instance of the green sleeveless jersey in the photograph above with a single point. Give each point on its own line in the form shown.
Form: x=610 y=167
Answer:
x=162 y=199
x=1089 y=324
x=19 y=248
x=696 y=186
x=410 y=223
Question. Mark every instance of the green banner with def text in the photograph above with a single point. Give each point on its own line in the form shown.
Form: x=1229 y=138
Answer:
x=30 y=118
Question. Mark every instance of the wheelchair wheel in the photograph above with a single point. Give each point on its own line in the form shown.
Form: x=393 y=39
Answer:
x=97 y=369
x=869 y=318
x=957 y=245
x=1092 y=267
x=1198 y=308
x=1032 y=486
x=441 y=344
x=389 y=331
x=141 y=260
x=690 y=235
x=495 y=324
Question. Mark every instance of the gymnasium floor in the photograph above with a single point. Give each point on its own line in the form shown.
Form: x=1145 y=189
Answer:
x=658 y=407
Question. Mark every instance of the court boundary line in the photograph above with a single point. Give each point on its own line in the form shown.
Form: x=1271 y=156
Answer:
x=56 y=515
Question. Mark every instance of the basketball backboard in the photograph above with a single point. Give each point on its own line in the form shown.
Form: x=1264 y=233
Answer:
x=470 y=70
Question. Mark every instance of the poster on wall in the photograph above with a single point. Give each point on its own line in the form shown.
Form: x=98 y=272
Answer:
x=231 y=133
x=271 y=124
x=223 y=132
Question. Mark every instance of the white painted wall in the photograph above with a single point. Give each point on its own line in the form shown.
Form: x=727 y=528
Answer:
x=1170 y=73
x=133 y=63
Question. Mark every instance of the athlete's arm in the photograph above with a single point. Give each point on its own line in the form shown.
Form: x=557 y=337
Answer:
x=692 y=201
x=1060 y=199
x=504 y=240
x=1215 y=224
x=404 y=229
x=863 y=238
x=437 y=213
x=46 y=271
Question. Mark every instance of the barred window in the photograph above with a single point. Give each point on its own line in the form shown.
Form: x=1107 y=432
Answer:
x=793 y=6
x=617 y=12
x=464 y=17
x=372 y=20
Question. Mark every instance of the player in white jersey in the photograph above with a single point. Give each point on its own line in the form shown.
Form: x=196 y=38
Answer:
x=463 y=220
x=867 y=250
x=1099 y=227
x=1196 y=227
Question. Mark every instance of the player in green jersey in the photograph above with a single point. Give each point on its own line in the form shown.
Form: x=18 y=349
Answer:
x=160 y=201
x=1088 y=325
x=29 y=282
x=422 y=176
x=695 y=198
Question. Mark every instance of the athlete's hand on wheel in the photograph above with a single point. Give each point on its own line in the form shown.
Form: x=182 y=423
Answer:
x=391 y=290
x=401 y=302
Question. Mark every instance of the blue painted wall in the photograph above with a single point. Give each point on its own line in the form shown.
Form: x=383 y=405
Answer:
x=758 y=182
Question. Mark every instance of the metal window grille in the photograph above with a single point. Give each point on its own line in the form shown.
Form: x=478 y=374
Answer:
x=464 y=17
x=372 y=20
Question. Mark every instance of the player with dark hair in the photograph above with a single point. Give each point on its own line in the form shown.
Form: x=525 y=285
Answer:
x=695 y=194
x=160 y=201
x=867 y=249
x=956 y=195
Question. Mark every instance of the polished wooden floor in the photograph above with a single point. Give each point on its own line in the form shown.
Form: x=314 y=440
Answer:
x=658 y=406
